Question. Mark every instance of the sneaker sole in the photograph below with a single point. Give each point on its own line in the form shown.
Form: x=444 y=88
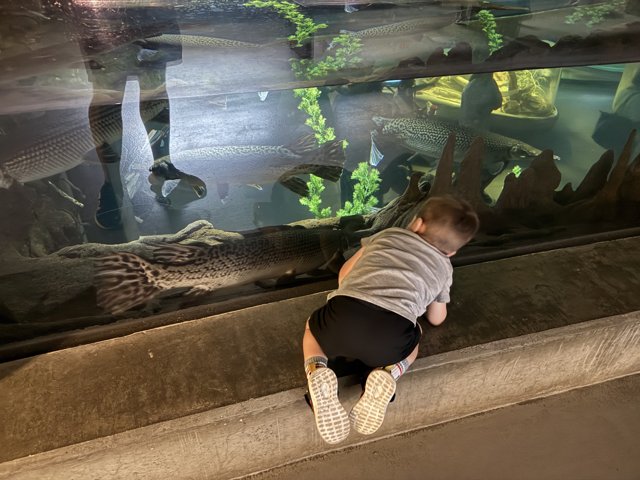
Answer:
x=331 y=417
x=368 y=414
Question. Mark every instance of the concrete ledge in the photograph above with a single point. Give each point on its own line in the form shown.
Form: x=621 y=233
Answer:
x=258 y=434
x=90 y=391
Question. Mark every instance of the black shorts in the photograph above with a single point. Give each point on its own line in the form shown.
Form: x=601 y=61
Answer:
x=355 y=329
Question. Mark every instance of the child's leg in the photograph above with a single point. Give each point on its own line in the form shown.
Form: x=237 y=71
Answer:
x=398 y=369
x=368 y=413
x=331 y=418
x=314 y=357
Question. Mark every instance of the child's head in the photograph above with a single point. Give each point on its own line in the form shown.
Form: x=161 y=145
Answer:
x=446 y=222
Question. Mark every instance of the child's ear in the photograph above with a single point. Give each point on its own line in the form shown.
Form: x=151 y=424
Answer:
x=416 y=225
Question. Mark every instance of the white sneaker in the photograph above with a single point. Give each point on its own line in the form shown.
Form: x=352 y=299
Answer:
x=331 y=417
x=368 y=413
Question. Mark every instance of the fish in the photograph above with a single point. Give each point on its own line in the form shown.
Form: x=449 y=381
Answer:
x=420 y=25
x=258 y=164
x=456 y=3
x=168 y=183
x=67 y=145
x=124 y=280
x=428 y=135
x=480 y=97
x=193 y=41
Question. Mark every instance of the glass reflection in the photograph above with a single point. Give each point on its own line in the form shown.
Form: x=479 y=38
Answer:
x=299 y=138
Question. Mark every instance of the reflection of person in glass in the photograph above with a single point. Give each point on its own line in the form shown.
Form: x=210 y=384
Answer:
x=108 y=32
x=627 y=104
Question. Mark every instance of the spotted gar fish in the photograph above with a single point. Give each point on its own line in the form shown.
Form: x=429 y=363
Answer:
x=66 y=145
x=417 y=25
x=124 y=280
x=428 y=136
x=195 y=41
x=258 y=164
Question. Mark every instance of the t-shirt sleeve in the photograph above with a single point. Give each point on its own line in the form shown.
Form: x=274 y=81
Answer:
x=367 y=240
x=443 y=296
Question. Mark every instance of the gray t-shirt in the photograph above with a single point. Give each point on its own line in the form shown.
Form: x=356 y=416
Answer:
x=400 y=272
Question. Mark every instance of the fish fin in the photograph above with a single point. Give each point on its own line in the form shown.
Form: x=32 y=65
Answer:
x=168 y=186
x=329 y=154
x=270 y=229
x=304 y=144
x=196 y=290
x=375 y=155
x=255 y=185
x=323 y=171
x=177 y=253
x=266 y=284
x=123 y=281
x=197 y=186
x=286 y=279
x=295 y=184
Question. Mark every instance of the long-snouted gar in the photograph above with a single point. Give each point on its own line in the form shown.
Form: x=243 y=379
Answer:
x=259 y=164
x=124 y=280
x=195 y=41
x=429 y=135
x=66 y=146
x=408 y=27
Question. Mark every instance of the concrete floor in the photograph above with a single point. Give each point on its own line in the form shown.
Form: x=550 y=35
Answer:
x=590 y=433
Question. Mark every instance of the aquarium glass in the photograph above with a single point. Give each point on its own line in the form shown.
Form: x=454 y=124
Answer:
x=166 y=160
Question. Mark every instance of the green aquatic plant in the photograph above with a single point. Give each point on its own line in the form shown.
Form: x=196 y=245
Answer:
x=309 y=104
x=489 y=27
x=305 y=27
x=517 y=170
x=346 y=55
x=314 y=199
x=595 y=14
x=364 y=199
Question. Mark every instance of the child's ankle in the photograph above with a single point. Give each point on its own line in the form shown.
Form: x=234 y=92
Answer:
x=398 y=369
x=311 y=364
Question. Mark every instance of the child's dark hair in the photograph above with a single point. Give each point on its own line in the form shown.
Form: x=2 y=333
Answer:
x=449 y=222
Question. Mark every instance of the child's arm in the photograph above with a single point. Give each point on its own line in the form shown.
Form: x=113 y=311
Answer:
x=436 y=313
x=348 y=265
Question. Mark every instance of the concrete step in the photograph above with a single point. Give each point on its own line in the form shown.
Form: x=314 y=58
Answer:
x=586 y=433
x=153 y=381
x=262 y=433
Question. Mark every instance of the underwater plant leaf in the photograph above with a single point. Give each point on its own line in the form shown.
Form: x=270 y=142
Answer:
x=364 y=199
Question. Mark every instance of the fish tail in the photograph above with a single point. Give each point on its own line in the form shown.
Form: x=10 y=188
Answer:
x=327 y=172
x=123 y=281
x=326 y=162
x=296 y=185
x=331 y=154
x=304 y=144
